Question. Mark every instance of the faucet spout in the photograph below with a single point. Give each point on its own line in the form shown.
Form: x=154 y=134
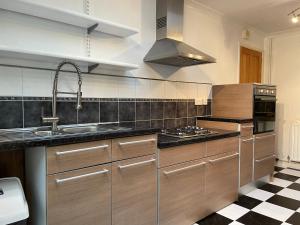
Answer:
x=54 y=119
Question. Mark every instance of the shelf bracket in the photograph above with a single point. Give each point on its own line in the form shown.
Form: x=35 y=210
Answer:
x=92 y=67
x=92 y=28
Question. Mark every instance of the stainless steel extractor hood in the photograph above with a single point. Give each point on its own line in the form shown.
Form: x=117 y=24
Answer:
x=169 y=48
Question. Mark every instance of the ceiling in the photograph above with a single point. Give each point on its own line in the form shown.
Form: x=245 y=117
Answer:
x=269 y=16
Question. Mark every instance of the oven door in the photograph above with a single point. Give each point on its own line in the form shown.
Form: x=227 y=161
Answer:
x=264 y=114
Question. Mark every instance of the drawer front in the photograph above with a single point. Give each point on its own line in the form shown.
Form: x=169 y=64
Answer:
x=130 y=147
x=221 y=181
x=247 y=130
x=80 y=197
x=68 y=157
x=222 y=146
x=181 y=190
x=184 y=153
x=246 y=161
x=264 y=145
x=134 y=191
x=264 y=166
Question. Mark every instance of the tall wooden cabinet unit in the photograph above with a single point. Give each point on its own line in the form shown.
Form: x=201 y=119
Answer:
x=232 y=101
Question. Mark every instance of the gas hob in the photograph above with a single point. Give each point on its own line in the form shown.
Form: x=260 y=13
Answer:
x=188 y=132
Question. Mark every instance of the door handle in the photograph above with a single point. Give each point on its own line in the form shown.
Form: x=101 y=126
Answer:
x=185 y=168
x=136 y=142
x=81 y=150
x=137 y=164
x=266 y=136
x=223 y=158
x=60 y=181
x=264 y=159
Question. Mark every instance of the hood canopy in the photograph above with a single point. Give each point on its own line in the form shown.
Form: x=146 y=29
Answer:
x=169 y=48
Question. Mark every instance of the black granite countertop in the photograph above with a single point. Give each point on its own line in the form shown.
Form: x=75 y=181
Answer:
x=16 y=139
x=165 y=141
x=229 y=120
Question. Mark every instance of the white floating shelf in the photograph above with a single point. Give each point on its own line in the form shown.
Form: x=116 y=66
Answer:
x=67 y=17
x=39 y=56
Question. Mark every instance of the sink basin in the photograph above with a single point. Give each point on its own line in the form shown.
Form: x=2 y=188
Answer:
x=77 y=129
x=45 y=133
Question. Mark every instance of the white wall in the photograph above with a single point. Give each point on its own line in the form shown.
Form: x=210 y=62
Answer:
x=203 y=28
x=284 y=72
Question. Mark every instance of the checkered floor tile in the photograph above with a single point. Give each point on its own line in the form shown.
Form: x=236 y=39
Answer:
x=275 y=203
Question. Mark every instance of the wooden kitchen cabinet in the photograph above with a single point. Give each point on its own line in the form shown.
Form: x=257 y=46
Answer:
x=264 y=154
x=129 y=147
x=74 y=156
x=134 y=191
x=246 y=161
x=182 y=193
x=80 y=197
x=221 y=181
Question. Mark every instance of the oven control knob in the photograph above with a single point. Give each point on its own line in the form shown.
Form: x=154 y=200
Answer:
x=267 y=91
x=261 y=91
x=272 y=92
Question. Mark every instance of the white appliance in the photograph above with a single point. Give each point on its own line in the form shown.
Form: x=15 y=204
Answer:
x=13 y=205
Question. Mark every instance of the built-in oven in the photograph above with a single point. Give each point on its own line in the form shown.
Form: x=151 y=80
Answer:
x=264 y=109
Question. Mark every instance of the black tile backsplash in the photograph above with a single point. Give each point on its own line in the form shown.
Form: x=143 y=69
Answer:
x=127 y=111
x=109 y=112
x=18 y=112
x=90 y=112
x=181 y=110
x=34 y=111
x=11 y=114
x=143 y=110
x=157 y=110
x=67 y=113
x=170 y=110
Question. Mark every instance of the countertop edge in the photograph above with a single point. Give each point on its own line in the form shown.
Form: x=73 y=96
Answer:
x=229 y=120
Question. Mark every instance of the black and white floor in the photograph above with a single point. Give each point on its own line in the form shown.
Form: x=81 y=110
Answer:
x=275 y=203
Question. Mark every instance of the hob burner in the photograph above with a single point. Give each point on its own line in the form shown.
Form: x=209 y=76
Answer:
x=189 y=131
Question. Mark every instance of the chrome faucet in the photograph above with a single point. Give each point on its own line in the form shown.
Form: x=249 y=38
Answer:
x=54 y=119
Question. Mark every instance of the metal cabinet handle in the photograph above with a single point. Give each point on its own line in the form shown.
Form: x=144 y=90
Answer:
x=266 y=136
x=137 y=164
x=247 y=140
x=223 y=158
x=250 y=126
x=60 y=181
x=81 y=150
x=136 y=142
x=185 y=168
x=264 y=159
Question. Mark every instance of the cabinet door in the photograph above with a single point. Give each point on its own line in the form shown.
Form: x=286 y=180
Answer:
x=246 y=161
x=181 y=194
x=264 y=145
x=264 y=152
x=221 y=183
x=134 y=191
x=80 y=197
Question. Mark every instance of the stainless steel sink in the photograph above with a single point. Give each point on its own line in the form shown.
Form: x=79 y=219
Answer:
x=77 y=129
x=45 y=133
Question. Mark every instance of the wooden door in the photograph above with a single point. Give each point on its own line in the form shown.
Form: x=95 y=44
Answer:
x=250 y=66
x=134 y=195
x=181 y=193
x=80 y=197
